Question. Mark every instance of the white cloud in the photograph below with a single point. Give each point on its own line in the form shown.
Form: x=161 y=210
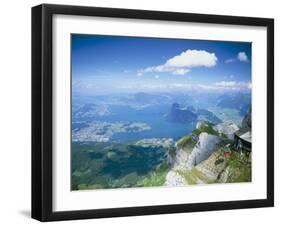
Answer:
x=226 y=84
x=180 y=71
x=222 y=86
x=182 y=64
x=229 y=60
x=242 y=56
x=233 y=85
x=193 y=58
x=156 y=76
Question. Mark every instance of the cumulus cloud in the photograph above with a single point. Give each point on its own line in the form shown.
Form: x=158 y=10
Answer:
x=182 y=64
x=181 y=71
x=193 y=58
x=241 y=56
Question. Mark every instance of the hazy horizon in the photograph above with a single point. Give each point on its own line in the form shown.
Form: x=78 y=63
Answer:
x=113 y=64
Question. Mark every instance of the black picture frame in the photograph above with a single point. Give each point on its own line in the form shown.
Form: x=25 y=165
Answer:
x=42 y=111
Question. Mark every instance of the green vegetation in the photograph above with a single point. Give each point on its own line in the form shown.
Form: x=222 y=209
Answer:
x=117 y=165
x=225 y=141
x=172 y=152
x=188 y=176
x=156 y=178
x=194 y=176
x=187 y=141
x=239 y=168
x=201 y=176
x=208 y=128
x=184 y=141
x=232 y=169
x=99 y=165
x=86 y=187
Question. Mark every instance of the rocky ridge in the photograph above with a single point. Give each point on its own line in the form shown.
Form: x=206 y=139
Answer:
x=200 y=159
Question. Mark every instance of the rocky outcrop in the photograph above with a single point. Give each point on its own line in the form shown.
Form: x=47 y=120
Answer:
x=205 y=146
x=201 y=124
x=212 y=167
x=178 y=162
x=227 y=128
x=202 y=160
x=174 y=179
x=247 y=121
x=181 y=158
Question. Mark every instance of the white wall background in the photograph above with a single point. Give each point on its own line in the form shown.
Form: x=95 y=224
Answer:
x=15 y=85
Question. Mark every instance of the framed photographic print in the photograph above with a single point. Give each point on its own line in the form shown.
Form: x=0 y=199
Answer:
x=143 y=112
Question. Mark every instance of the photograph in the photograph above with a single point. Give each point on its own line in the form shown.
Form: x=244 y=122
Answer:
x=159 y=112
x=140 y=112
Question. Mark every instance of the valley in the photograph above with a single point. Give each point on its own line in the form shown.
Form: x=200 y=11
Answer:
x=157 y=139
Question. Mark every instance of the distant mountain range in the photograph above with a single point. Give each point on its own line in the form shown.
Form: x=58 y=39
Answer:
x=184 y=108
x=240 y=101
x=143 y=98
x=90 y=110
x=180 y=114
x=147 y=98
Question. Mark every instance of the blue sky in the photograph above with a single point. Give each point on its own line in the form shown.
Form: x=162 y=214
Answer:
x=115 y=64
